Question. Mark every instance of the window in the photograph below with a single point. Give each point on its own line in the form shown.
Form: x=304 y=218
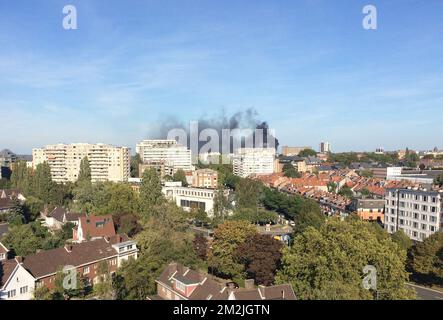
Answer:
x=85 y=270
x=24 y=290
x=11 y=293
x=180 y=286
x=2 y=256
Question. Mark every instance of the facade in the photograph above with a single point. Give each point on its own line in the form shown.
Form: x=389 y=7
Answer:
x=7 y=157
x=297 y=162
x=205 y=178
x=58 y=217
x=178 y=282
x=385 y=172
x=191 y=198
x=166 y=152
x=292 y=151
x=368 y=209
x=418 y=212
x=325 y=147
x=84 y=257
x=107 y=163
x=93 y=227
x=16 y=283
x=249 y=161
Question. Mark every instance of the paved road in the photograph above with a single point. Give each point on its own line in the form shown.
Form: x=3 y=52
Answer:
x=424 y=293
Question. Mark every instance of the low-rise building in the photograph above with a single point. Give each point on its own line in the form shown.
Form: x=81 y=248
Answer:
x=58 y=217
x=205 y=178
x=418 y=212
x=191 y=198
x=368 y=209
x=16 y=283
x=178 y=282
x=93 y=227
x=293 y=151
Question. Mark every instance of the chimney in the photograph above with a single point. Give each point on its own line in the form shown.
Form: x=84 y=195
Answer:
x=19 y=259
x=68 y=247
x=249 y=284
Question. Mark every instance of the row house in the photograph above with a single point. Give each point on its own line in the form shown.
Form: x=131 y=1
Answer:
x=178 y=282
x=20 y=276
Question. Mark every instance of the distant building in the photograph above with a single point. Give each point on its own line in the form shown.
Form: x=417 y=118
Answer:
x=384 y=172
x=418 y=212
x=293 y=151
x=205 y=178
x=297 y=162
x=325 y=147
x=7 y=157
x=178 y=282
x=249 y=161
x=107 y=163
x=58 y=217
x=167 y=154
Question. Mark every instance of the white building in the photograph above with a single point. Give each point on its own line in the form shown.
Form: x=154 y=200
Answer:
x=248 y=161
x=189 y=198
x=168 y=152
x=417 y=212
x=325 y=147
x=16 y=283
x=107 y=162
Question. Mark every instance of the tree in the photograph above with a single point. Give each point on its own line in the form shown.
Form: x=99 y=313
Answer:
x=347 y=192
x=42 y=293
x=201 y=246
x=261 y=255
x=290 y=172
x=180 y=176
x=255 y=216
x=411 y=159
x=227 y=237
x=43 y=185
x=126 y=223
x=248 y=193
x=328 y=263
x=309 y=215
x=16 y=214
x=439 y=180
x=135 y=163
x=426 y=259
x=150 y=191
x=103 y=287
x=221 y=202
x=307 y=153
x=366 y=173
x=402 y=240
x=84 y=174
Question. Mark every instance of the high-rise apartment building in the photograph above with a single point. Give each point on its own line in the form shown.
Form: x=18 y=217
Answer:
x=107 y=162
x=418 y=212
x=248 y=161
x=325 y=147
x=168 y=152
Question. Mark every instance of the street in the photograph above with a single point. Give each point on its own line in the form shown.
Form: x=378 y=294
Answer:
x=424 y=293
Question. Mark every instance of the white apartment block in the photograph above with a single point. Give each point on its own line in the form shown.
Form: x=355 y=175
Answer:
x=418 y=212
x=168 y=152
x=248 y=161
x=107 y=162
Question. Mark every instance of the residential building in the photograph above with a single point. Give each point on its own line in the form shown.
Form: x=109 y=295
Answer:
x=418 y=212
x=84 y=257
x=297 y=162
x=384 y=172
x=369 y=209
x=7 y=157
x=107 y=162
x=58 y=217
x=3 y=251
x=325 y=147
x=178 y=282
x=191 y=198
x=249 y=161
x=168 y=153
x=292 y=151
x=16 y=283
x=205 y=178
x=93 y=227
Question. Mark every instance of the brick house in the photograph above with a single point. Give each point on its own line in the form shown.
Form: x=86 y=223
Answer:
x=93 y=227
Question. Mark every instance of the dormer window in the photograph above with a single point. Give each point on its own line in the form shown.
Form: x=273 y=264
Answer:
x=180 y=286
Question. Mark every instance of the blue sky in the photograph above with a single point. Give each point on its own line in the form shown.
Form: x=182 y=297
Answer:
x=306 y=66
